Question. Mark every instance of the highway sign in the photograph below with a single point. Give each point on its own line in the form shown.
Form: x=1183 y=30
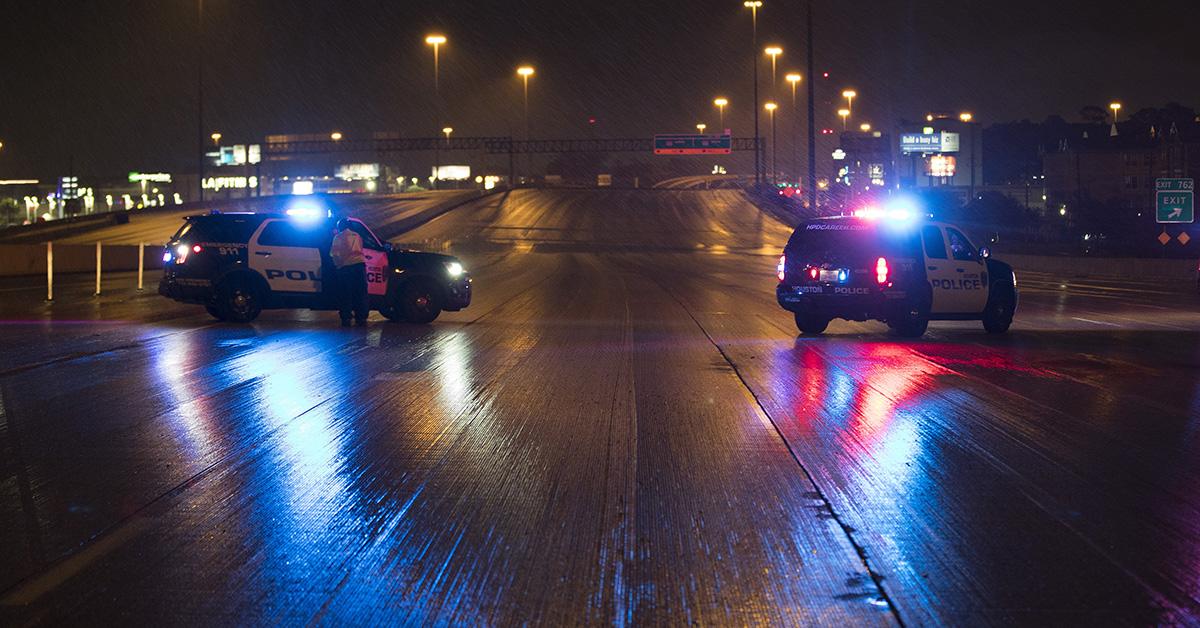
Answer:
x=692 y=144
x=1175 y=200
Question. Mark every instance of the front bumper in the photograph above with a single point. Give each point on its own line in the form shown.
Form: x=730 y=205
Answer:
x=458 y=293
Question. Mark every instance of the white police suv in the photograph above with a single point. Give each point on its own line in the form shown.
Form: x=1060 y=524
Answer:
x=893 y=267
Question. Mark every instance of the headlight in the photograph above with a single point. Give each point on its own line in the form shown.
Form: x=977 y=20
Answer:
x=454 y=268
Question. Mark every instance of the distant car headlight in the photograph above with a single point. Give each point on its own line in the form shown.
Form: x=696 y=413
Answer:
x=455 y=269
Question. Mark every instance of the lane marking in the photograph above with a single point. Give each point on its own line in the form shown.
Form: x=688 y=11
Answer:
x=1088 y=320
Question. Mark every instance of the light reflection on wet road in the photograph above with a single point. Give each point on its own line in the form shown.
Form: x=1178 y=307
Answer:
x=623 y=428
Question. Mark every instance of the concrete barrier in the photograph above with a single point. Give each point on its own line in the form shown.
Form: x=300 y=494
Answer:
x=1112 y=267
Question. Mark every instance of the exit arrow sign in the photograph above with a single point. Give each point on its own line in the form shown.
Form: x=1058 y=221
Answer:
x=1175 y=201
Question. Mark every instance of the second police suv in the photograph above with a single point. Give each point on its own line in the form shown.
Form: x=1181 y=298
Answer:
x=237 y=264
x=892 y=267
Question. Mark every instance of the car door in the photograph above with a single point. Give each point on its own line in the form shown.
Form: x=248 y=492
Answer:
x=971 y=290
x=939 y=270
x=288 y=255
x=376 y=256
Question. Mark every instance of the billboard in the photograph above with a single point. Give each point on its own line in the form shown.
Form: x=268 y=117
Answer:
x=452 y=173
x=355 y=172
x=942 y=142
x=941 y=166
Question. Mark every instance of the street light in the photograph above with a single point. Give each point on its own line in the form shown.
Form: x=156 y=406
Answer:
x=754 y=5
x=700 y=127
x=447 y=130
x=216 y=138
x=849 y=95
x=525 y=72
x=966 y=118
x=771 y=107
x=436 y=41
x=793 y=78
x=865 y=127
x=1116 y=106
x=336 y=136
x=720 y=103
x=844 y=113
x=773 y=52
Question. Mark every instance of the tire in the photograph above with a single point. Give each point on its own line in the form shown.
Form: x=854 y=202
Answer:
x=239 y=300
x=811 y=324
x=420 y=302
x=911 y=322
x=391 y=309
x=998 y=315
x=215 y=312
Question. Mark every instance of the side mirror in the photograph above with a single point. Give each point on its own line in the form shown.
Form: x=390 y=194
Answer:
x=985 y=253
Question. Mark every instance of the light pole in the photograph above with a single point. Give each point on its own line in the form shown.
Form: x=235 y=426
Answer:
x=700 y=127
x=844 y=113
x=216 y=138
x=1116 y=107
x=720 y=103
x=200 y=99
x=754 y=5
x=793 y=78
x=773 y=52
x=771 y=107
x=849 y=95
x=436 y=41
x=966 y=118
x=336 y=136
x=525 y=72
x=865 y=127
x=812 y=112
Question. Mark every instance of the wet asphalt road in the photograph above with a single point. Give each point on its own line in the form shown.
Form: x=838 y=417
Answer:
x=622 y=428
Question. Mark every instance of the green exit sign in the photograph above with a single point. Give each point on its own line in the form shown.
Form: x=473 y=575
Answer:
x=1175 y=200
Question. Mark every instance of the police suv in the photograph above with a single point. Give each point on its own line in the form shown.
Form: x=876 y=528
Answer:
x=895 y=268
x=237 y=264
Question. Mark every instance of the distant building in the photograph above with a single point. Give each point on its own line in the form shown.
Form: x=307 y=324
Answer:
x=1119 y=169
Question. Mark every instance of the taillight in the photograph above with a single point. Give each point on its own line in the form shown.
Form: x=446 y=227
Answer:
x=881 y=271
x=813 y=272
x=780 y=268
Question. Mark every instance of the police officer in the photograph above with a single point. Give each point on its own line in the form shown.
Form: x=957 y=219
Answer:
x=347 y=254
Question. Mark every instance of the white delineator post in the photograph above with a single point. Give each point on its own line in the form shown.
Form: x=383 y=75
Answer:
x=141 y=263
x=49 y=271
x=97 y=269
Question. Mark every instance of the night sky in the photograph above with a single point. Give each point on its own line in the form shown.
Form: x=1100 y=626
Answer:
x=113 y=84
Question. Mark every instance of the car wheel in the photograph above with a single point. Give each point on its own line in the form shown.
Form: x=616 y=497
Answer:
x=215 y=312
x=239 y=300
x=912 y=321
x=811 y=324
x=391 y=310
x=998 y=315
x=420 y=302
